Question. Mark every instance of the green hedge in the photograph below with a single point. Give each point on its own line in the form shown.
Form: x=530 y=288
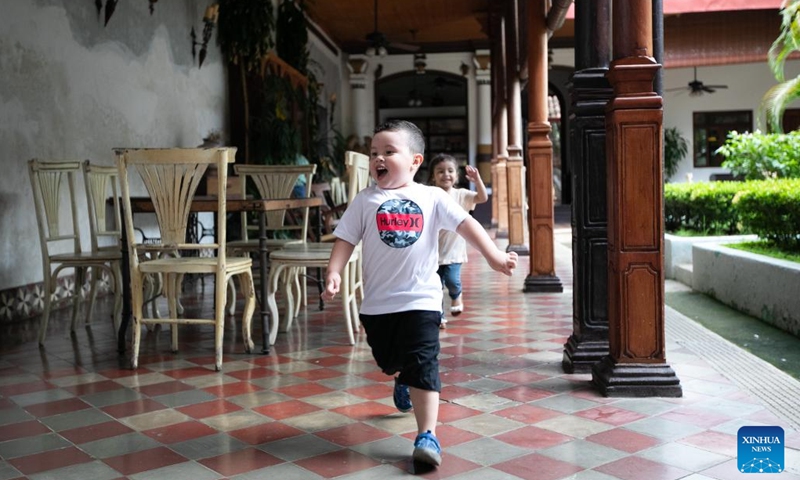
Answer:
x=771 y=209
x=768 y=208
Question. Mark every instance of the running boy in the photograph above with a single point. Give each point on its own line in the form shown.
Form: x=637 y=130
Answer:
x=453 y=248
x=399 y=221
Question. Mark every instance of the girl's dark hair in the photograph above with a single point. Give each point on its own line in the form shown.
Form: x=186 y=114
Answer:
x=416 y=141
x=439 y=158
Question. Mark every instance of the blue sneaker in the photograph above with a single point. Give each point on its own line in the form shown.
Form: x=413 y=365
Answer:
x=427 y=449
x=402 y=398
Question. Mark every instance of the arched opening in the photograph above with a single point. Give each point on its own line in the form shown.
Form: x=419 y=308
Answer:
x=437 y=103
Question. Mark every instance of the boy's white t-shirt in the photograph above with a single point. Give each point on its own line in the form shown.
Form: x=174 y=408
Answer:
x=399 y=229
x=452 y=246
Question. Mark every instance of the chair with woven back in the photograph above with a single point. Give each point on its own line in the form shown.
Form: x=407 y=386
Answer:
x=272 y=182
x=171 y=177
x=295 y=258
x=50 y=181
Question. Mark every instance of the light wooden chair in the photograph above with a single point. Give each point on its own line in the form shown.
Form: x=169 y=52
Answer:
x=49 y=181
x=272 y=181
x=171 y=177
x=295 y=259
x=101 y=182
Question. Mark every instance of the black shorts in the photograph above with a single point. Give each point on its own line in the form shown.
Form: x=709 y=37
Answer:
x=407 y=342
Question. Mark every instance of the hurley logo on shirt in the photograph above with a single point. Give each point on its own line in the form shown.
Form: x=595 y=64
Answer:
x=399 y=222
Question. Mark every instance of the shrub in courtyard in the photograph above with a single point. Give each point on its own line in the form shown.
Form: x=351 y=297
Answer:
x=756 y=156
x=771 y=209
x=704 y=207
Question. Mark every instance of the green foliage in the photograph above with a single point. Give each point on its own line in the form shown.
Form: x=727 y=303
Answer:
x=771 y=209
x=704 y=207
x=277 y=140
x=777 y=98
x=757 y=156
x=245 y=31
x=675 y=149
x=291 y=35
x=768 y=208
x=764 y=247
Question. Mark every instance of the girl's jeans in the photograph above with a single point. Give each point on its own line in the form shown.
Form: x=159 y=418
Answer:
x=451 y=278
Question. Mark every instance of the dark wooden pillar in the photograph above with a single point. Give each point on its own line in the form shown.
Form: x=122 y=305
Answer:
x=591 y=91
x=542 y=276
x=636 y=365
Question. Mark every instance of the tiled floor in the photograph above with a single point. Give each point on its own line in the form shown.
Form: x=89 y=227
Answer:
x=319 y=408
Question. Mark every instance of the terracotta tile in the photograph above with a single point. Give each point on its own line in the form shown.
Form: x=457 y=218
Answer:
x=94 y=387
x=6 y=403
x=337 y=350
x=365 y=411
x=611 y=415
x=209 y=409
x=114 y=373
x=59 y=406
x=135 y=407
x=60 y=372
x=353 y=434
x=287 y=409
x=211 y=359
x=625 y=440
x=376 y=376
x=22 y=429
x=458 y=350
x=331 y=361
x=527 y=414
x=452 y=392
x=232 y=389
x=318 y=374
x=180 y=432
x=457 y=362
x=452 y=466
x=372 y=392
x=241 y=461
x=252 y=373
x=700 y=417
x=458 y=377
x=265 y=433
x=189 y=372
x=636 y=468
x=546 y=468
x=340 y=462
x=449 y=435
x=523 y=393
x=303 y=390
x=712 y=441
x=23 y=388
x=450 y=412
x=519 y=376
x=164 y=388
x=533 y=438
x=42 y=462
x=143 y=461
x=98 y=431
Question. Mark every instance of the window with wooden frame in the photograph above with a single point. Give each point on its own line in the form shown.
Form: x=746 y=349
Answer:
x=711 y=130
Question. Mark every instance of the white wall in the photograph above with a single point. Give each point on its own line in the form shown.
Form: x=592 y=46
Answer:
x=72 y=89
x=746 y=83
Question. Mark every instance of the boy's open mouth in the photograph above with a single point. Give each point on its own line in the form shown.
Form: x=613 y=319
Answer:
x=381 y=172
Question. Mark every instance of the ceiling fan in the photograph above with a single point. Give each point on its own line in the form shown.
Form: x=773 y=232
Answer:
x=378 y=43
x=697 y=87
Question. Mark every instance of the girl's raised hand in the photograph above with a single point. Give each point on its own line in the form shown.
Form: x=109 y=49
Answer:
x=472 y=174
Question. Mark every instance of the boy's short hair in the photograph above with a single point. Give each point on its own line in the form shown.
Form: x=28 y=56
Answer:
x=416 y=141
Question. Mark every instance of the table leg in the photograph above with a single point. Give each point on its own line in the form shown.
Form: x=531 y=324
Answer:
x=126 y=287
x=262 y=268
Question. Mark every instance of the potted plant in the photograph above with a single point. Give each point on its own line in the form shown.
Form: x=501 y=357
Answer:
x=675 y=149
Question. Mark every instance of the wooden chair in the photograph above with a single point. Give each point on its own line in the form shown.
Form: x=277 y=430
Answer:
x=272 y=181
x=101 y=182
x=48 y=184
x=297 y=258
x=171 y=177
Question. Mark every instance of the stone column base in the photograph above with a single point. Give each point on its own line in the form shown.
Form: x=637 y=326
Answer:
x=635 y=379
x=543 y=284
x=581 y=355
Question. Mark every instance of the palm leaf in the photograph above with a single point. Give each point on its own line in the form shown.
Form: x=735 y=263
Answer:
x=775 y=101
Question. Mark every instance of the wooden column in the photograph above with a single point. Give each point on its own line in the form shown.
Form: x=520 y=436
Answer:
x=591 y=91
x=542 y=276
x=636 y=365
x=514 y=168
x=500 y=188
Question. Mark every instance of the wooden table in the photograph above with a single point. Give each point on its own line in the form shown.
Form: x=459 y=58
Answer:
x=210 y=204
